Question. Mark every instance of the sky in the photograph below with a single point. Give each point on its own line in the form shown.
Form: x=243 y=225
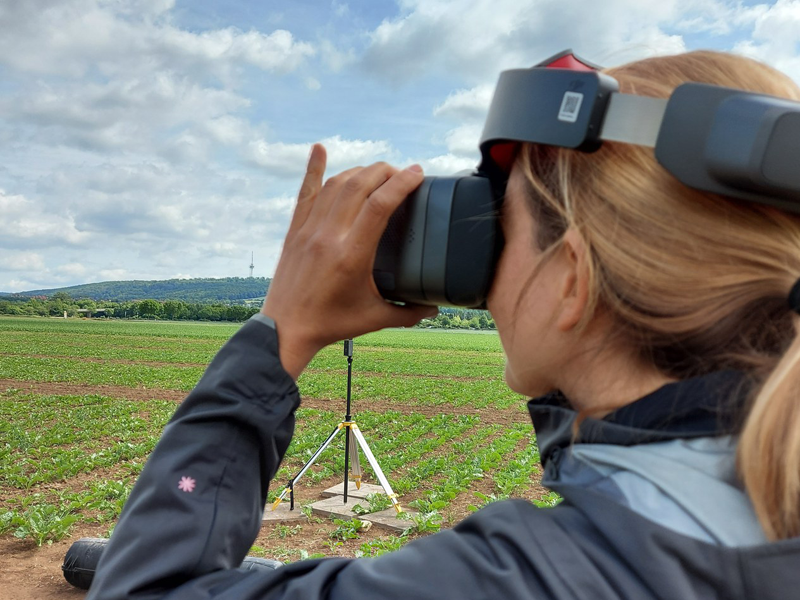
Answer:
x=159 y=139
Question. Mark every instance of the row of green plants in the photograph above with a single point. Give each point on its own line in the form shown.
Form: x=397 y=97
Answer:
x=127 y=332
x=43 y=522
x=46 y=441
x=404 y=444
x=368 y=359
x=54 y=438
x=50 y=439
x=151 y=332
x=414 y=390
x=386 y=366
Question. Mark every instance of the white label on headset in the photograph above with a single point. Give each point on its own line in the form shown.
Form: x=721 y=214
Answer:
x=570 y=107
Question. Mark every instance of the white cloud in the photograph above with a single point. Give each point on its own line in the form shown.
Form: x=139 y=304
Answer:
x=28 y=224
x=114 y=274
x=463 y=141
x=448 y=164
x=718 y=18
x=70 y=37
x=187 y=147
x=775 y=39
x=227 y=129
x=289 y=160
x=73 y=269
x=477 y=39
x=276 y=52
x=20 y=285
x=334 y=57
x=466 y=104
x=21 y=261
x=127 y=114
x=228 y=249
x=282 y=205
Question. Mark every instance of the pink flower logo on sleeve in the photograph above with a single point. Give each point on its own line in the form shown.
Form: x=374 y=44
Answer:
x=186 y=484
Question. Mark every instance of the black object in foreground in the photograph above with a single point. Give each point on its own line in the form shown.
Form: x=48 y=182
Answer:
x=80 y=562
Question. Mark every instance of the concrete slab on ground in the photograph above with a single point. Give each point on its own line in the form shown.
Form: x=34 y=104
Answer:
x=387 y=519
x=352 y=491
x=336 y=508
x=282 y=513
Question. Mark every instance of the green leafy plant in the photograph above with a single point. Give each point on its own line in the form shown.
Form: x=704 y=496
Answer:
x=427 y=522
x=548 y=500
x=381 y=546
x=485 y=499
x=45 y=523
x=6 y=521
x=308 y=511
x=375 y=503
x=257 y=551
x=346 y=529
x=283 y=531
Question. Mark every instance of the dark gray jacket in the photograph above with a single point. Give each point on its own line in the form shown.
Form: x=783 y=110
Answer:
x=197 y=508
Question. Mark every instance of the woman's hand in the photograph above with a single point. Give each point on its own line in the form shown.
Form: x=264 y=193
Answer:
x=323 y=289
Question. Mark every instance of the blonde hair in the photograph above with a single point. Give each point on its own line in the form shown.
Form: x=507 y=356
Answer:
x=697 y=283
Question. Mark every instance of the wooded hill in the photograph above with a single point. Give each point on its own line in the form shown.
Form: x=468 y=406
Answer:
x=229 y=290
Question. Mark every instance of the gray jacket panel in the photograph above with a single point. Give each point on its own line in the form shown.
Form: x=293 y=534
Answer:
x=687 y=485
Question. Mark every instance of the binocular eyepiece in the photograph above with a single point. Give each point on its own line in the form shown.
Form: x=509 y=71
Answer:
x=441 y=245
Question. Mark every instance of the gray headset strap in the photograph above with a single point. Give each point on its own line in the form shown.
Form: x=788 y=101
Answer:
x=633 y=119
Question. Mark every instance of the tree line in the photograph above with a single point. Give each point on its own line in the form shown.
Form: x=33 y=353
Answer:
x=61 y=303
x=459 y=318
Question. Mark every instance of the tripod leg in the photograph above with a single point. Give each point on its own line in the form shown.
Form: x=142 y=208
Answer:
x=290 y=487
x=355 y=463
x=346 y=459
x=376 y=467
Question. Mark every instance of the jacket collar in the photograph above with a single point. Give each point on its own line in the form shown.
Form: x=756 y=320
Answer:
x=709 y=405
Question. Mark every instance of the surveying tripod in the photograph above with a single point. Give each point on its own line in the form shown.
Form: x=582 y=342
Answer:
x=352 y=437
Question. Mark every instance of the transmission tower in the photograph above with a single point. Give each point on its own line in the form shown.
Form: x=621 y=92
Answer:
x=252 y=266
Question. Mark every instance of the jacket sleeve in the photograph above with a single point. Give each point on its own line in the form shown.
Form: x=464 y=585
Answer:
x=198 y=503
x=197 y=507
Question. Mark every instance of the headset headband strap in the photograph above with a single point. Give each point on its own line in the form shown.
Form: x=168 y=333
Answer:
x=633 y=119
x=720 y=140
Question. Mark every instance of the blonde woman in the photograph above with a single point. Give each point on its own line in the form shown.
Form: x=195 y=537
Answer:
x=651 y=322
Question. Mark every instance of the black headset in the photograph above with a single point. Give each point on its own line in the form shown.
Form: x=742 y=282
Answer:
x=441 y=246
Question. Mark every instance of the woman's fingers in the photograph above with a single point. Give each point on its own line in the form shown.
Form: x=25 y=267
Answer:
x=355 y=191
x=312 y=184
x=381 y=204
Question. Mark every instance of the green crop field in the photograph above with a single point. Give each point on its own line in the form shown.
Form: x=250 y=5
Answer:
x=82 y=404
